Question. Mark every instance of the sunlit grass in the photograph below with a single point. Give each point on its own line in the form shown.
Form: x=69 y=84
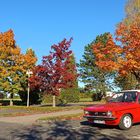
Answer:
x=86 y=100
x=23 y=110
x=77 y=116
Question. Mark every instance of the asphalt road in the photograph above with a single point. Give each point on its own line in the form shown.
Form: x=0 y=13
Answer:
x=66 y=130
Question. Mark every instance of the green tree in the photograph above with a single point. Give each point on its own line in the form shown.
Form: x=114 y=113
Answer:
x=126 y=82
x=71 y=67
x=91 y=75
x=71 y=94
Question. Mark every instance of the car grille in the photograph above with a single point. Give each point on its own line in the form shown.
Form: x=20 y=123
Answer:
x=98 y=113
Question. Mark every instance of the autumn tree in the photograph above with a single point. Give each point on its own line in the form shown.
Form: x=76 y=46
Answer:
x=124 y=57
x=94 y=78
x=55 y=72
x=30 y=60
x=129 y=37
x=132 y=10
x=13 y=64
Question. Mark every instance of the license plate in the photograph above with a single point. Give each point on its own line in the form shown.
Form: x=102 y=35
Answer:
x=99 y=121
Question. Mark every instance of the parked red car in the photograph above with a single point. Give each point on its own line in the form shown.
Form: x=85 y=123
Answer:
x=123 y=109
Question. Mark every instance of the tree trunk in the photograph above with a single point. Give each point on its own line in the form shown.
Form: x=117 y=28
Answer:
x=54 y=103
x=11 y=99
x=11 y=102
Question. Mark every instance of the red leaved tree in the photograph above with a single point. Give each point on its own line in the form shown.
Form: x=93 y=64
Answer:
x=54 y=73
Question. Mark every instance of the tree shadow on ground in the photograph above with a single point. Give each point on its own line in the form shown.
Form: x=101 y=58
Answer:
x=65 y=130
x=32 y=133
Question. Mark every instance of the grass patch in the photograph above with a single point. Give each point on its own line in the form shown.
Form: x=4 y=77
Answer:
x=78 y=116
x=22 y=110
x=41 y=108
x=86 y=100
x=7 y=99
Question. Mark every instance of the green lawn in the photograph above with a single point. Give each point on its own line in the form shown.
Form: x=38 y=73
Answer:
x=86 y=100
x=23 y=110
x=42 y=108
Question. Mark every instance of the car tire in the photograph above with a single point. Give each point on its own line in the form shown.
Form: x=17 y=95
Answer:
x=126 y=122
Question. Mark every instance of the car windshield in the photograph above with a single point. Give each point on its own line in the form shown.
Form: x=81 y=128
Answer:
x=124 y=97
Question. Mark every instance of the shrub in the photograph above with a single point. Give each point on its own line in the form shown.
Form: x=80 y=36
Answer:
x=97 y=96
x=34 y=97
x=48 y=98
x=69 y=96
x=106 y=99
x=66 y=96
x=85 y=95
x=1 y=95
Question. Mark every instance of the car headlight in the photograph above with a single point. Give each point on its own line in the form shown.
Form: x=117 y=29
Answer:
x=109 y=113
x=86 y=112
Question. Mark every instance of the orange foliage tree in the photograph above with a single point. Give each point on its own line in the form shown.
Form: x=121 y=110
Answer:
x=13 y=64
x=125 y=57
x=107 y=54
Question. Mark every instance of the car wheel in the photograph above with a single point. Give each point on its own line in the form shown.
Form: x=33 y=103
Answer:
x=126 y=122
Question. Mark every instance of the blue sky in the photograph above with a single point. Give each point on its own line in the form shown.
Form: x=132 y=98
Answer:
x=38 y=24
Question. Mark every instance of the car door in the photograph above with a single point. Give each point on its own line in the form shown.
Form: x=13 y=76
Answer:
x=138 y=107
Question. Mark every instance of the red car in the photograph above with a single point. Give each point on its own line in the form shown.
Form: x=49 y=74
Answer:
x=123 y=109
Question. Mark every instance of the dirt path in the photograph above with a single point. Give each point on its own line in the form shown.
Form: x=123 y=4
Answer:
x=31 y=119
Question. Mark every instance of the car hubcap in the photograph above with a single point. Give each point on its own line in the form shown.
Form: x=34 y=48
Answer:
x=127 y=121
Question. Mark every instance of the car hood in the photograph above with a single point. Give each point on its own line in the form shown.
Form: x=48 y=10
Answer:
x=111 y=107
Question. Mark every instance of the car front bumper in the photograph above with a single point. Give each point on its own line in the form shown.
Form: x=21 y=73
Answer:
x=107 y=120
x=99 y=117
